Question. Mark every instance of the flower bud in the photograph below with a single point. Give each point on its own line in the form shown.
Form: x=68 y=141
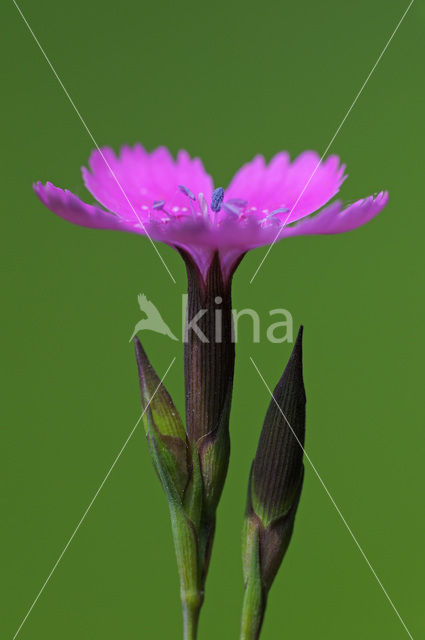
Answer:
x=164 y=429
x=274 y=491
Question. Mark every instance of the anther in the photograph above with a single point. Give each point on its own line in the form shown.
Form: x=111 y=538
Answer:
x=187 y=192
x=281 y=210
x=217 y=199
x=158 y=204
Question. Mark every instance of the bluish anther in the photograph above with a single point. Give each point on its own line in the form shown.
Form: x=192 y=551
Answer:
x=217 y=199
x=281 y=210
x=158 y=204
x=187 y=192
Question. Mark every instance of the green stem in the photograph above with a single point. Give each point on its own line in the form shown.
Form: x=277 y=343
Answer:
x=191 y=606
x=185 y=543
x=254 y=602
x=252 y=612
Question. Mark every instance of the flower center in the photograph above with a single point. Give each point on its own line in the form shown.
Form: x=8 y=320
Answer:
x=234 y=208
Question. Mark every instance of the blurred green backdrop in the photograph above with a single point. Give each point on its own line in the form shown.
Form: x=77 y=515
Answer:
x=224 y=80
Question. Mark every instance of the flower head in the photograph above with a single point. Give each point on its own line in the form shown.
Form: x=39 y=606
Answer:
x=175 y=201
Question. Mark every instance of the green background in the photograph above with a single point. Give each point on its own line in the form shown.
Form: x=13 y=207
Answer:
x=224 y=80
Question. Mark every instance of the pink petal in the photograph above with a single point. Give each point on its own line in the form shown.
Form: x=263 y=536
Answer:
x=304 y=185
x=335 y=219
x=136 y=178
x=66 y=205
x=233 y=234
x=247 y=182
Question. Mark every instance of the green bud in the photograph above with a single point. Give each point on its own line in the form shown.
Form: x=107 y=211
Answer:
x=178 y=469
x=164 y=429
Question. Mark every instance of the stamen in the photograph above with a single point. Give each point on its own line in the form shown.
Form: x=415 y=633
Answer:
x=231 y=209
x=217 y=199
x=238 y=202
x=158 y=205
x=203 y=205
x=187 y=192
x=281 y=210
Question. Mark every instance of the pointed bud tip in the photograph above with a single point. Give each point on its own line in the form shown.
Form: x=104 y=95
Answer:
x=143 y=365
x=298 y=344
x=156 y=400
x=138 y=347
x=294 y=368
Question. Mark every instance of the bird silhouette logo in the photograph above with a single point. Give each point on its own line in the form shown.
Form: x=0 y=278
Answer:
x=153 y=321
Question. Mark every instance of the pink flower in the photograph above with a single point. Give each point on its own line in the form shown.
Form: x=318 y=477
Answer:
x=174 y=201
